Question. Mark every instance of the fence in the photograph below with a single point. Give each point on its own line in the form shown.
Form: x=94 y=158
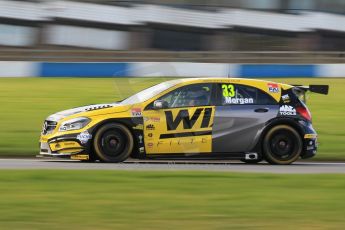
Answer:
x=82 y=55
x=170 y=69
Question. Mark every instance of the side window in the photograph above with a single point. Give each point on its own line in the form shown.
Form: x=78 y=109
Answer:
x=190 y=95
x=235 y=94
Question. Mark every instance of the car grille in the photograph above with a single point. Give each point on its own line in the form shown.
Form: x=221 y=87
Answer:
x=48 y=126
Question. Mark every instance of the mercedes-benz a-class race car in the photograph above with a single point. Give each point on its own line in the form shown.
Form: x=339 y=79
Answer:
x=246 y=119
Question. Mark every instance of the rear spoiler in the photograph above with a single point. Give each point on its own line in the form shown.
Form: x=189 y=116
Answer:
x=321 y=89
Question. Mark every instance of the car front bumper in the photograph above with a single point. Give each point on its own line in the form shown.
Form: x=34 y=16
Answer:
x=65 y=147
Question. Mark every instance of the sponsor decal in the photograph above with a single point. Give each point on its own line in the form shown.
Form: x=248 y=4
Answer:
x=187 y=121
x=139 y=127
x=150 y=127
x=44 y=127
x=150 y=135
x=286 y=98
x=222 y=81
x=310 y=147
x=287 y=110
x=231 y=100
x=311 y=135
x=273 y=87
x=185 y=134
x=140 y=139
x=150 y=144
x=184 y=141
x=141 y=149
x=90 y=108
x=153 y=119
x=80 y=157
x=136 y=112
x=84 y=137
x=228 y=90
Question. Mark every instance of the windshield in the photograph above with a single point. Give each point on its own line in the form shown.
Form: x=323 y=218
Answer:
x=149 y=92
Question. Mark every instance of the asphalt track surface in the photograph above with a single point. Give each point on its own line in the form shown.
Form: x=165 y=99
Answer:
x=175 y=165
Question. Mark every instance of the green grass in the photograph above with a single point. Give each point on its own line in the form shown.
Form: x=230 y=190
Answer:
x=46 y=199
x=26 y=102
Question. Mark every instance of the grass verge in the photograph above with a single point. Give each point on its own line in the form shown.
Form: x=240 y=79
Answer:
x=48 y=199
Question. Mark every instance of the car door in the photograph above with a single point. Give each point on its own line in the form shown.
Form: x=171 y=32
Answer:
x=185 y=125
x=240 y=116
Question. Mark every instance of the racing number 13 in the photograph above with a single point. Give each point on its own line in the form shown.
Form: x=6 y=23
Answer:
x=228 y=90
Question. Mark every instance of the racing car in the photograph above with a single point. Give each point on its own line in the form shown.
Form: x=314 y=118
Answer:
x=246 y=119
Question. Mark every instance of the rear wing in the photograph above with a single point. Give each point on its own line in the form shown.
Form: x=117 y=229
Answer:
x=321 y=89
x=300 y=90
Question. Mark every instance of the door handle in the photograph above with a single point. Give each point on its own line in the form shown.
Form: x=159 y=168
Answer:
x=261 y=110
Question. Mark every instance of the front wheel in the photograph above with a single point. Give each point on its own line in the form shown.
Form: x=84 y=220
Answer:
x=282 y=145
x=113 y=142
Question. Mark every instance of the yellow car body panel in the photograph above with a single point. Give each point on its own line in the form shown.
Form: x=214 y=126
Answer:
x=161 y=138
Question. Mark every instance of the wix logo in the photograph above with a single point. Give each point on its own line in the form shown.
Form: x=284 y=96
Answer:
x=287 y=110
x=188 y=122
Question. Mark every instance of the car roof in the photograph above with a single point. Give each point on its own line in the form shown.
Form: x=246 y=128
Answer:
x=245 y=81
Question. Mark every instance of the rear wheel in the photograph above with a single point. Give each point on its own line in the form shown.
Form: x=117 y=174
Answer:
x=282 y=145
x=113 y=142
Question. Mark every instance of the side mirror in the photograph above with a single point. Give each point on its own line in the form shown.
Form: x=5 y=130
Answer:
x=160 y=104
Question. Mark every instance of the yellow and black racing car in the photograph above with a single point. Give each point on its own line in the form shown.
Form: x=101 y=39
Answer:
x=246 y=119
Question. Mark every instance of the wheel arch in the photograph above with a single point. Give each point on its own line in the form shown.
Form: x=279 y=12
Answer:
x=121 y=121
x=274 y=122
x=112 y=120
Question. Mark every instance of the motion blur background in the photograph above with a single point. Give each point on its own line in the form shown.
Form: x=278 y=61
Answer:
x=217 y=30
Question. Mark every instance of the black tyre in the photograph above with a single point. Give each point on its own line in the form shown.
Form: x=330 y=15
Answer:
x=113 y=142
x=282 y=145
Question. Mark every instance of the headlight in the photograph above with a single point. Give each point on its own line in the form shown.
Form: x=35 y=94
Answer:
x=74 y=124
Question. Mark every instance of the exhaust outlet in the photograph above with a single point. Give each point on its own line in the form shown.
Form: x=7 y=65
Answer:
x=251 y=156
